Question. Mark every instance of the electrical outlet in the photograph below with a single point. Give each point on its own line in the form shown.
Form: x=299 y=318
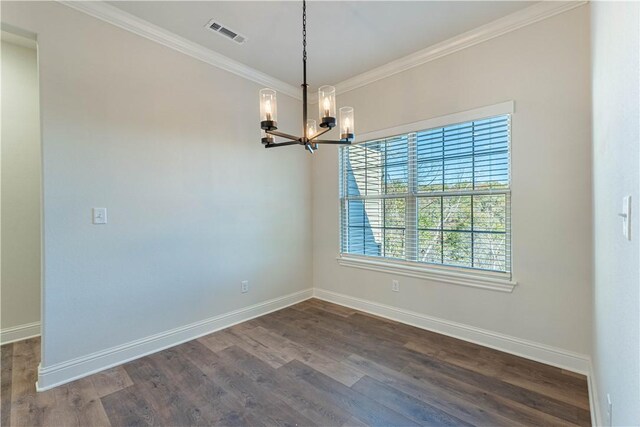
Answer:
x=244 y=286
x=395 y=286
x=609 y=410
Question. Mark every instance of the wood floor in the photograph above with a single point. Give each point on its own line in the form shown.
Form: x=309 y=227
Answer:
x=311 y=364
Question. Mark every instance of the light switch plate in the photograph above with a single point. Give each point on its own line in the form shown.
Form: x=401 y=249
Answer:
x=99 y=215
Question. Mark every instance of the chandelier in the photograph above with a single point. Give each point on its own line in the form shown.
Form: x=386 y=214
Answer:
x=326 y=106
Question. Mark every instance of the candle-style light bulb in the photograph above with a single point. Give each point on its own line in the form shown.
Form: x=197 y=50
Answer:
x=311 y=128
x=347 y=124
x=326 y=105
x=267 y=108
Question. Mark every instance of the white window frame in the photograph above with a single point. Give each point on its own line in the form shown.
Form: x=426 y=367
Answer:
x=496 y=281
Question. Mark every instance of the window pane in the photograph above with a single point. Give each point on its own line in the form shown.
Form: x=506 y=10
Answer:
x=394 y=219
x=355 y=178
x=492 y=171
x=469 y=229
x=430 y=246
x=375 y=180
x=491 y=135
x=456 y=213
x=489 y=213
x=355 y=240
x=373 y=227
x=458 y=173
x=458 y=140
x=394 y=212
x=489 y=251
x=373 y=241
x=396 y=150
x=355 y=167
x=457 y=248
x=394 y=243
x=429 y=212
x=491 y=145
x=430 y=176
x=396 y=179
x=355 y=213
x=430 y=145
x=375 y=154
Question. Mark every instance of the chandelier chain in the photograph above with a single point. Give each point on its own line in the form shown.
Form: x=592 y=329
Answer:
x=310 y=136
x=304 y=30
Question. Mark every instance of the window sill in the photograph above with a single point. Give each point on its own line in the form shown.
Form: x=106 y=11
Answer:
x=490 y=281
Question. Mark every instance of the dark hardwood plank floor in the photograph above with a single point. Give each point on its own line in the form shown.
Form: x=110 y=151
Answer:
x=314 y=363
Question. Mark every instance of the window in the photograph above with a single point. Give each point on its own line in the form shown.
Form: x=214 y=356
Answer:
x=438 y=196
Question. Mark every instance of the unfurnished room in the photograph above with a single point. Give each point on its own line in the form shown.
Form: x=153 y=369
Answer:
x=320 y=213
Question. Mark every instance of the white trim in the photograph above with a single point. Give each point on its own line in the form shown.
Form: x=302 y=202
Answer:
x=18 y=40
x=507 y=107
x=506 y=24
x=594 y=403
x=477 y=279
x=489 y=281
x=129 y=22
x=543 y=353
x=64 y=372
x=19 y=333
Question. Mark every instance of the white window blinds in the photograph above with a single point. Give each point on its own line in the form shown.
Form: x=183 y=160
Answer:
x=438 y=196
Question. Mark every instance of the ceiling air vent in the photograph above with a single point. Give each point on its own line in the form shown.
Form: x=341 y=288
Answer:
x=221 y=29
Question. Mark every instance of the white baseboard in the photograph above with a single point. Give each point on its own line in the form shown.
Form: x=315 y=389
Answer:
x=543 y=353
x=61 y=373
x=19 y=333
x=594 y=403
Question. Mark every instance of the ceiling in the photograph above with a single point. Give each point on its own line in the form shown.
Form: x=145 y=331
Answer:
x=344 y=38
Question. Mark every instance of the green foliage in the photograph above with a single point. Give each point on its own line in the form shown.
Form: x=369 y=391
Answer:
x=467 y=230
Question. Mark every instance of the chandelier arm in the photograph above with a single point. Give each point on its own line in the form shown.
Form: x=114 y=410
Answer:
x=281 y=144
x=328 y=141
x=284 y=135
x=317 y=134
x=309 y=141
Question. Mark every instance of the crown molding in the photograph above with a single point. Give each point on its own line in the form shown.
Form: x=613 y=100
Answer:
x=124 y=20
x=17 y=37
x=506 y=24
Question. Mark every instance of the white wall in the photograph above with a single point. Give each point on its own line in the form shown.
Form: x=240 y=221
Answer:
x=171 y=146
x=20 y=289
x=544 y=68
x=616 y=137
